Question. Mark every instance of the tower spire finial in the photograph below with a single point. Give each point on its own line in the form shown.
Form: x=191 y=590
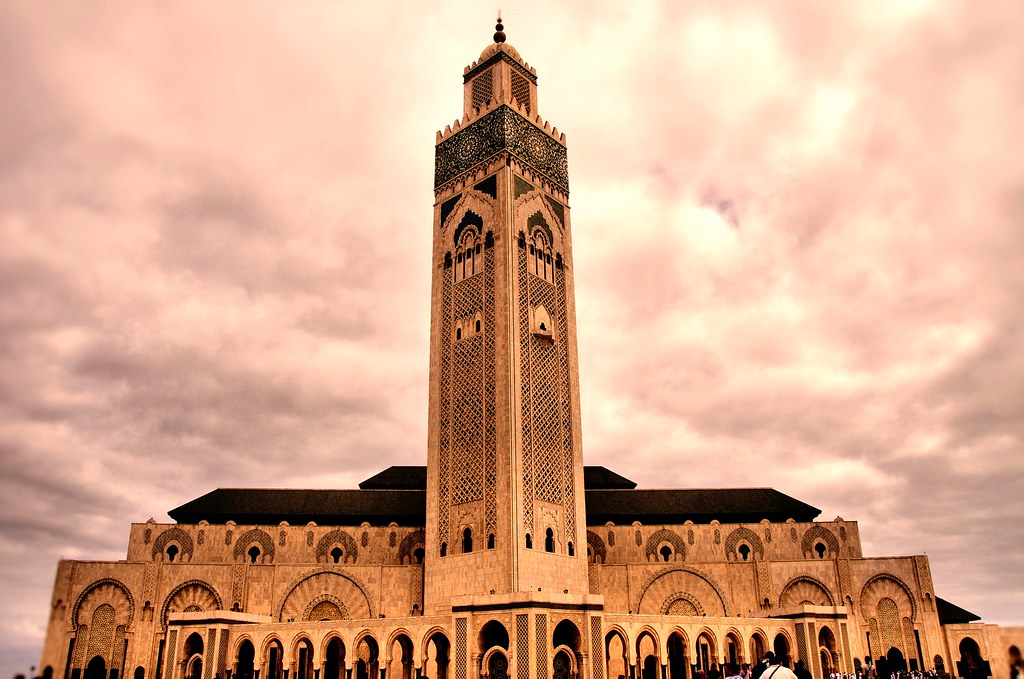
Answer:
x=499 y=35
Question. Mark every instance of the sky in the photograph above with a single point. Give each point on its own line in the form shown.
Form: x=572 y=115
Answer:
x=798 y=236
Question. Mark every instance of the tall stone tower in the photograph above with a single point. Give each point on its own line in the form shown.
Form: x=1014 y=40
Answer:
x=505 y=502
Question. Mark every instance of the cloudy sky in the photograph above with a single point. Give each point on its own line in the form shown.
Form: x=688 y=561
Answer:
x=799 y=233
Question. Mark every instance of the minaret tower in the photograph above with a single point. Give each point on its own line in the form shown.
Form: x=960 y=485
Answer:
x=505 y=503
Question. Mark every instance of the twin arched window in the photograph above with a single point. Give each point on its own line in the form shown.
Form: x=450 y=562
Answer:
x=469 y=259
x=541 y=262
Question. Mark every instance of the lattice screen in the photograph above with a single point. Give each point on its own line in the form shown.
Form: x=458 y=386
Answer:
x=483 y=87
x=461 y=660
x=521 y=90
x=522 y=646
x=541 y=642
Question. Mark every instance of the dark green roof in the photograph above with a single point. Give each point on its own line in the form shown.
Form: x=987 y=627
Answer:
x=951 y=614
x=398 y=494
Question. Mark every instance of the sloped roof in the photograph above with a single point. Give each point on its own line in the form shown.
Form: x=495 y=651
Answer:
x=951 y=614
x=399 y=494
x=266 y=506
x=414 y=477
x=727 y=505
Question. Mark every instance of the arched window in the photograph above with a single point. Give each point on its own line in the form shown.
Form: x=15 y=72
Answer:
x=820 y=549
x=666 y=553
x=572 y=550
x=477 y=329
x=172 y=552
x=444 y=549
x=467 y=540
x=490 y=541
x=541 y=263
x=549 y=540
x=744 y=551
x=418 y=554
x=336 y=555
x=529 y=541
x=254 y=553
x=458 y=333
x=469 y=260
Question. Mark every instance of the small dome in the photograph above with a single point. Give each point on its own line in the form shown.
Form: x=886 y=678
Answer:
x=496 y=47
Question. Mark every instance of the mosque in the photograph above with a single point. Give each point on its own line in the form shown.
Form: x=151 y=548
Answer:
x=504 y=557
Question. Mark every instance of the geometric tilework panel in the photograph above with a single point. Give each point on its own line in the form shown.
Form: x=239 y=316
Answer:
x=444 y=429
x=889 y=626
x=500 y=130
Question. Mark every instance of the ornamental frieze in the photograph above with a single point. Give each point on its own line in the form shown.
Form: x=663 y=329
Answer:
x=501 y=130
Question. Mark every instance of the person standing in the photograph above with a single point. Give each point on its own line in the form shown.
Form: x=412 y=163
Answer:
x=775 y=668
x=801 y=671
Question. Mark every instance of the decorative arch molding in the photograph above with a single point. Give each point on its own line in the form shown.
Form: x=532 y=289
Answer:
x=677 y=603
x=526 y=207
x=571 y=654
x=337 y=537
x=491 y=652
x=596 y=545
x=259 y=537
x=707 y=579
x=664 y=535
x=395 y=636
x=474 y=201
x=316 y=604
x=803 y=585
x=653 y=634
x=105 y=591
x=743 y=535
x=271 y=639
x=170 y=535
x=307 y=579
x=430 y=634
x=678 y=631
x=236 y=647
x=816 y=534
x=328 y=639
x=880 y=585
x=409 y=544
x=190 y=593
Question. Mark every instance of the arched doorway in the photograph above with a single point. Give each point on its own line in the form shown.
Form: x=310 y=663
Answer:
x=367 y=655
x=245 y=660
x=733 y=649
x=562 y=666
x=303 y=659
x=437 y=657
x=827 y=651
x=707 y=654
x=677 y=661
x=615 y=656
x=647 y=657
x=334 y=659
x=274 y=659
x=895 y=660
x=781 y=648
x=400 y=658
x=96 y=669
x=971 y=664
x=758 y=645
x=496 y=665
x=193 y=654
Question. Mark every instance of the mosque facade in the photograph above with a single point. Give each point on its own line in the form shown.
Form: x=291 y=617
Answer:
x=504 y=557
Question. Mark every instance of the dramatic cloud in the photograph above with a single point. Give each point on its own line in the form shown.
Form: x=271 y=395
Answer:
x=798 y=233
